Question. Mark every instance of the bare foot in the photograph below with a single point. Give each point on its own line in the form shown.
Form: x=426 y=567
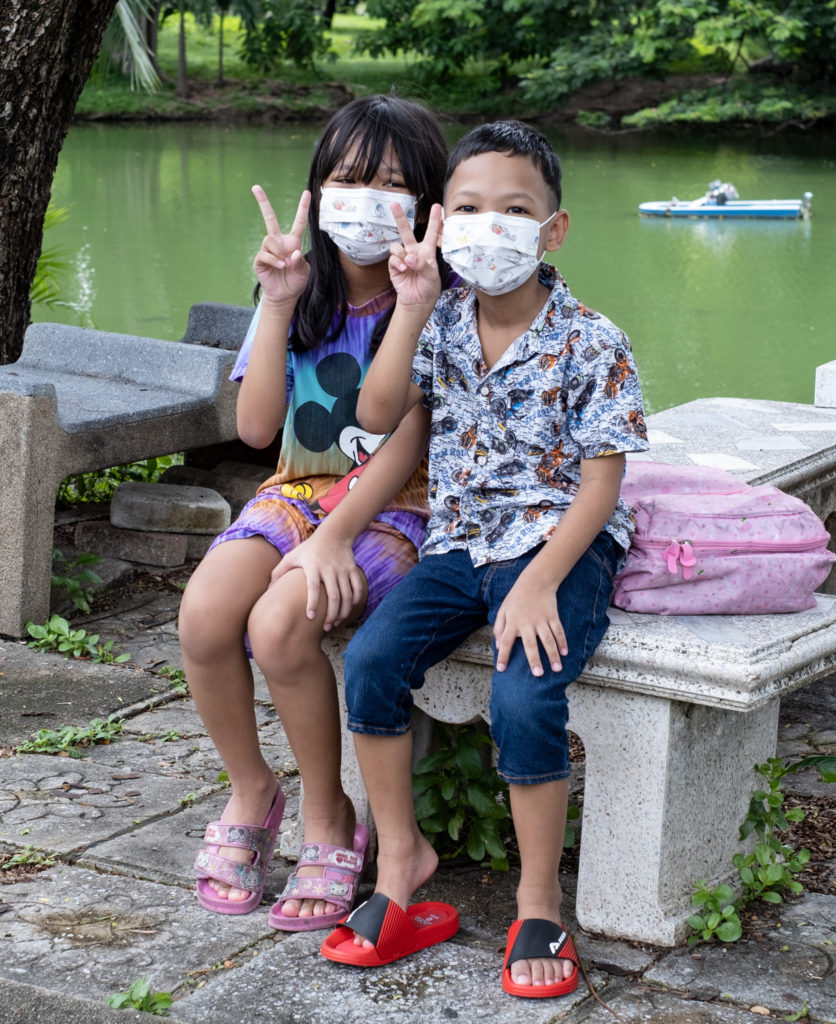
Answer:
x=249 y=808
x=337 y=830
x=403 y=865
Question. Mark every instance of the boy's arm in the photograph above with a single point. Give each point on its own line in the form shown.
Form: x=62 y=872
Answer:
x=327 y=557
x=530 y=610
x=388 y=393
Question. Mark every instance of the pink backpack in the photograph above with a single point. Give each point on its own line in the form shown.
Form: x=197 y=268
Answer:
x=708 y=543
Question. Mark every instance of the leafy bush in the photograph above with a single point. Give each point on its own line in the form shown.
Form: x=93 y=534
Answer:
x=70 y=738
x=76 y=578
x=288 y=30
x=101 y=484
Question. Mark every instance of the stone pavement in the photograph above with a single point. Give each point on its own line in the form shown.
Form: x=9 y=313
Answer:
x=124 y=821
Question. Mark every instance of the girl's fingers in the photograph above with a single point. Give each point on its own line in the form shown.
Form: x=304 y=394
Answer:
x=301 y=218
x=270 y=220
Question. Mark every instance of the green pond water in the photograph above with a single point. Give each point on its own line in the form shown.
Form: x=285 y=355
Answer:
x=162 y=217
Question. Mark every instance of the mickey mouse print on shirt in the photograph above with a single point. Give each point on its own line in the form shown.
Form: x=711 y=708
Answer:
x=320 y=424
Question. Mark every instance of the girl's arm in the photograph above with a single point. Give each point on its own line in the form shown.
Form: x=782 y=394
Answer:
x=530 y=610
x=327 y=557
x=283 y=273
x=388 y=393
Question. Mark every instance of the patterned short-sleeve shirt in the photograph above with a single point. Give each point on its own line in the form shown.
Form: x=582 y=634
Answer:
x=507 y=442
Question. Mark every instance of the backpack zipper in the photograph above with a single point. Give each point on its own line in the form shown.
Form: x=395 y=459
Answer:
x=682 y=552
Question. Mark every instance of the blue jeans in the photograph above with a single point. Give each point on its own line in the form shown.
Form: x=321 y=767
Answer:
x=439 y=604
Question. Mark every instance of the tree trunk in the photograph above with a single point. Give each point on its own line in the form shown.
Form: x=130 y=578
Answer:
x=47 y=48
x=182 y=90
x=150 y=25
x=221 y=51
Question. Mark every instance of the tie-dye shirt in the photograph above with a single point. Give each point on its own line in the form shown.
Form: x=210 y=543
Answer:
x=507 y=442
x=323 y=447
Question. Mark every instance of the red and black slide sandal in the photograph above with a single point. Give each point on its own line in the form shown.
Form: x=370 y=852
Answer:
x=537 y=939
x=394 y=933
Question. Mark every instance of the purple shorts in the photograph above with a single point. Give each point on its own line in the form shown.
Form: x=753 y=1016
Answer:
x=385 y=551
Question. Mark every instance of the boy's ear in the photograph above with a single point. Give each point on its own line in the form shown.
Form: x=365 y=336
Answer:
x=557 y=231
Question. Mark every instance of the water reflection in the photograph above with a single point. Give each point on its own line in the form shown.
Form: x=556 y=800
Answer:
x=162 y=217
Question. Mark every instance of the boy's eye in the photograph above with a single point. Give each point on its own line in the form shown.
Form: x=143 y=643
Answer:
x=517 y=210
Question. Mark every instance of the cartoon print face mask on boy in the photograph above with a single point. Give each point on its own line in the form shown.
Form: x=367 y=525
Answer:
x=493 y=251
x=360 y=223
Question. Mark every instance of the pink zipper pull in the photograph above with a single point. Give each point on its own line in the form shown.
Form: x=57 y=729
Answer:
x=687 y=559
x=671 y=554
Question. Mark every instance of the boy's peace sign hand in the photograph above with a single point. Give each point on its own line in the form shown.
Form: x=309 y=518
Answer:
x=412 y=265
x=280 y=267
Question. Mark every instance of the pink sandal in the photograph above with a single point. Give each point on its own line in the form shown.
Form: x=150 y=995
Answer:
x=260 y=840
x=341 y=872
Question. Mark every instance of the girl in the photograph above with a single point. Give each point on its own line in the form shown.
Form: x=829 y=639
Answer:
x=310 y=343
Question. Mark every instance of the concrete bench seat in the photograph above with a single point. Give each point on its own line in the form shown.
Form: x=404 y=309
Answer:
x=79 y=400
x=673 y=712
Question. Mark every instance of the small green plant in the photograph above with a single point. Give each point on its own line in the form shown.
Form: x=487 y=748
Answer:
x=76 y=578
x=769 y=871
x=101 y=484
x=70 y=738
x=717 y=916
x=58 y=635
x=27 y=855
x=461 y=804
x=140 y=997
x=177 y=677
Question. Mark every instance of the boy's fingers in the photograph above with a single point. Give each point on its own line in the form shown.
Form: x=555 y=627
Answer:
x=433 y=228
x=270 y=220
x=404 y=229
x=532 y=653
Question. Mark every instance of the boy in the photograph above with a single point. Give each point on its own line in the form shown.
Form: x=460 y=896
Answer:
x=534 y=399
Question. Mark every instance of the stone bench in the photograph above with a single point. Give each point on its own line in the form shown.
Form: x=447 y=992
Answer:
x=79 y=400
x=673 y=712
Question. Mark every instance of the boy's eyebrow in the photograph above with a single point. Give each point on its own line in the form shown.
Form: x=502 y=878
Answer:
x=505 y=197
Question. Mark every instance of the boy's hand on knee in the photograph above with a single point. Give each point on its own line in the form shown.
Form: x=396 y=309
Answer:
x=529 y=613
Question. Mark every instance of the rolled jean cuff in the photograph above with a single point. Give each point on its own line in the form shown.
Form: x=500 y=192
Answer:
x=376 y=730
x=534 y=780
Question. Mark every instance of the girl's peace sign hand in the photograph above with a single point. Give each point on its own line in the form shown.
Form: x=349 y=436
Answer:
x=412 y=265
x=280 y=267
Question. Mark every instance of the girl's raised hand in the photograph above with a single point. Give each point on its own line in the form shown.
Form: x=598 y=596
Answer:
x=412 y=265
x=279 y=265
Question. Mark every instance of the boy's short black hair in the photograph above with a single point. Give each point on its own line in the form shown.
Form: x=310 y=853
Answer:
x=516 y=139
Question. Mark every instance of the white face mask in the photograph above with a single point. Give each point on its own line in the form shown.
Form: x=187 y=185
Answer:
x=359 y=222
x=493 y=251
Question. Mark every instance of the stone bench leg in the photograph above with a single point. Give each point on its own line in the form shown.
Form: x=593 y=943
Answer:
x=667 y=786
x=28 y=486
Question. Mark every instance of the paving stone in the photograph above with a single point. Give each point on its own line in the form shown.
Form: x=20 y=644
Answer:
x=642 y=1005
x=236 y=489
x=169 y=508
x=25 y=1004
x=298 y=986
x=63 y=804
x=793 y=965
x=143 y=546
x=78 y=930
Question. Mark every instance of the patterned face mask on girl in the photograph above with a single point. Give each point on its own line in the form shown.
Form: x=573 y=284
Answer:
x=359 y=222
x=493 y=251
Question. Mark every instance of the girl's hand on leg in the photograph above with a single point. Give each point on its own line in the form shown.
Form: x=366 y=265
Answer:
x=328 y=565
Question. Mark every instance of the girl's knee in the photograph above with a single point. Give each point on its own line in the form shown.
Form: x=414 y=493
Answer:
x=281 y=633
x=207 y=624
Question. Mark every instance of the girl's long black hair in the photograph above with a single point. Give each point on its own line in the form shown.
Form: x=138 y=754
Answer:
x=364 y=127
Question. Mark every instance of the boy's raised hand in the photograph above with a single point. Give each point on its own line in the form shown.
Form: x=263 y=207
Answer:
x=279 y=265
x=412 y=265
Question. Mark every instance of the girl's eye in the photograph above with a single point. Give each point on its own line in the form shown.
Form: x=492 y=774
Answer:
x=395 y=183
x=465 y=208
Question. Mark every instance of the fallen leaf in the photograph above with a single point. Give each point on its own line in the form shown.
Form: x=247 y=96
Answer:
x=762 y=1010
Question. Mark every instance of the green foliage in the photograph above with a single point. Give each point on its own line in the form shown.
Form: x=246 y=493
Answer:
x=47 y=287
x=718 y=917
x=288 y=30
x=101 y=484
x=27 y=855
x=447 y=34
x=177 y=677
x=70 y=738
x=76 y=578
x=461 y=803
x=769 y=871
x=749 y=100
x=140 y=997
x=58 y=635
